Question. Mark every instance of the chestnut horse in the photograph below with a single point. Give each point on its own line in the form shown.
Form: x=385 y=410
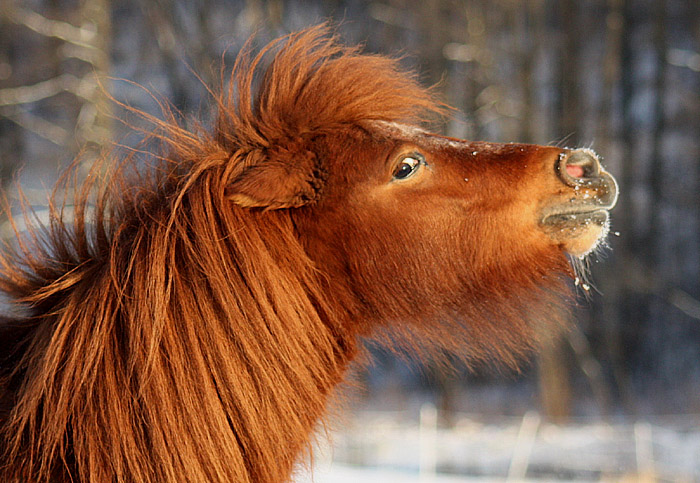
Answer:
x=189 y=322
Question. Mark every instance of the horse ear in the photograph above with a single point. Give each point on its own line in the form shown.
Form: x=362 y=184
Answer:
x=281 y=179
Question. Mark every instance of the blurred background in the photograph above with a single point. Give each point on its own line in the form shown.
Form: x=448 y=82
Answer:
x=619 y=396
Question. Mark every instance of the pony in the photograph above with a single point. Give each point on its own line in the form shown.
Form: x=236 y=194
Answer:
x=188 y=318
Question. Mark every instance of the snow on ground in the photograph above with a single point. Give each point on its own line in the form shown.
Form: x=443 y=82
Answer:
x=394 y=448
x=339 y=473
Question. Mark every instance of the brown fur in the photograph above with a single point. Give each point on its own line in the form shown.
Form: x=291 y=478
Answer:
x=189 y=324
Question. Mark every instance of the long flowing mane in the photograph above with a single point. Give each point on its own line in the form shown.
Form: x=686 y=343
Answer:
x=170 y=334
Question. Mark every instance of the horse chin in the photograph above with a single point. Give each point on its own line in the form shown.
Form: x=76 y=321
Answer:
x=578 y=233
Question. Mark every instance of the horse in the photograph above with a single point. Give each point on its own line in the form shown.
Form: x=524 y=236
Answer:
x=188 y=318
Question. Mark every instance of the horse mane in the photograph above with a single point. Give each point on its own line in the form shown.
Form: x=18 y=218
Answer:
x=171 y=332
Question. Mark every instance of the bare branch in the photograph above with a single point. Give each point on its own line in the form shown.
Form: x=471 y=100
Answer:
x=684 y=302
x=645 y=280
x=90 y=56
x=684 y=58
x=35 y=124
x=13 y=96
x=389 y=15
x=51 y=28
x=459 y=52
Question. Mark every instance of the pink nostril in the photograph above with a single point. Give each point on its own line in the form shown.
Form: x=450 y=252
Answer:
x=578 y=165
x=575 y=171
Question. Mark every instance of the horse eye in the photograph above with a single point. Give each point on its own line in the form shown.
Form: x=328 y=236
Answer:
x=407 y=167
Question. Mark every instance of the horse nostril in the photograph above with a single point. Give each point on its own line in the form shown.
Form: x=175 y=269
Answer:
x=577 y=165
x=575 y=171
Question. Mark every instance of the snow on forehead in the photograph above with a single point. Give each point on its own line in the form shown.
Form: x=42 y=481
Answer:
x=411 y=132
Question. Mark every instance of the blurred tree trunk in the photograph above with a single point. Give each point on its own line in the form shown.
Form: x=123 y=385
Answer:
x=569 y=111
x=94 y=124
x=612 y=62
x=555 y=386
x=632 y=305
x=10 y=139
x=478 y=66
x=159 y=14
x=612 y=282
x=695 y=12
x=435 y=33
x=553 y=377
x=531 y=29
x=656 y=175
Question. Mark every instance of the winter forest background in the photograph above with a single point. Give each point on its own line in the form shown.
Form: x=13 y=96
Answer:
x=621 y=76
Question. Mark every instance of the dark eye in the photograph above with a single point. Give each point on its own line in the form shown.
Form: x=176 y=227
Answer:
x=407 y=167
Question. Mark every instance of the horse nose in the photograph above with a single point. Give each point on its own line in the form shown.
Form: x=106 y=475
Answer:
x=578 y=165
x=581 y=169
